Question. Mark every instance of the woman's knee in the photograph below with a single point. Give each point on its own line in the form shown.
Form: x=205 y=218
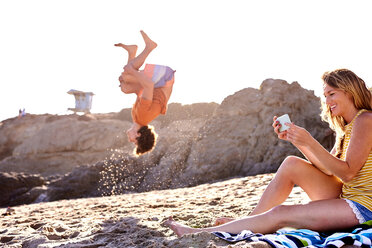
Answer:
x=290 y=164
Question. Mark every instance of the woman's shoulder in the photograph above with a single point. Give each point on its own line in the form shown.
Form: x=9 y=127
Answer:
x=366 y=115
x=364 y=120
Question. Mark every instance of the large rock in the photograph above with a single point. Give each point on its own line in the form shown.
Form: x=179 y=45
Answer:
x=239 y=138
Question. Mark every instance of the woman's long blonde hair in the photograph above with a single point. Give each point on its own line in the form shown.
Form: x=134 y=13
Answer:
x=355 y=87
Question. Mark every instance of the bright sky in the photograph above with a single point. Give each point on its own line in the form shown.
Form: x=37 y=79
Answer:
x=217 y=47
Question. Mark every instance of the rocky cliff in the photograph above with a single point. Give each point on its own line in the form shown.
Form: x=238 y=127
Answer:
x=79 y=156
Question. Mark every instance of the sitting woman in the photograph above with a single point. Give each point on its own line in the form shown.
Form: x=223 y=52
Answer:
x=153 y=87
x=339 y=183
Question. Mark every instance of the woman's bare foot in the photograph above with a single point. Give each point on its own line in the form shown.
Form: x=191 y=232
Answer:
x=178 y=228
x=150 y=44
x=131 y=49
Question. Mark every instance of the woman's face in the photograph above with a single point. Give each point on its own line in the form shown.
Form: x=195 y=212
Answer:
x=337 y=100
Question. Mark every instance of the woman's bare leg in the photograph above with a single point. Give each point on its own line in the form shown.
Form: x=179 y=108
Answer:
x=296 y=171
x=331 y=214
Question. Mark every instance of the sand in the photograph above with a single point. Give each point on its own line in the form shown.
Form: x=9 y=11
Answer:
x=135 y=220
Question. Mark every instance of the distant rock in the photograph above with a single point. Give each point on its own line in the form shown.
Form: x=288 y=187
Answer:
x=48 y=144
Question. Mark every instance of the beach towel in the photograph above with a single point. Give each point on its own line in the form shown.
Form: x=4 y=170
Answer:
x=360 y=235
x=161 y=75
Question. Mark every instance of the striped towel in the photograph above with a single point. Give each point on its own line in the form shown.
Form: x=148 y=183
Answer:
x=161 y=75
x=360 y=235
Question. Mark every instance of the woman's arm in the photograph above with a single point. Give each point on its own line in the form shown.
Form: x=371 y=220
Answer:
x=358 y=150
x=312 y=158
x=306 y=152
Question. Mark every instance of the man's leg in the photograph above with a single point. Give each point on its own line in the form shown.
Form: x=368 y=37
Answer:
x=138 y=61
x=139 y=77
x=131 y=49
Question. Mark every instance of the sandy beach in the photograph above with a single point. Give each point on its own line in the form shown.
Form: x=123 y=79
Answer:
x=135 y=220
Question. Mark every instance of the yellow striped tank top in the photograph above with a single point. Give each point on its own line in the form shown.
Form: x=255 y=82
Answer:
x=359 y=189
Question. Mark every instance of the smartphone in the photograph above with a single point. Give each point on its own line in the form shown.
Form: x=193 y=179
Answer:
x=282 y=120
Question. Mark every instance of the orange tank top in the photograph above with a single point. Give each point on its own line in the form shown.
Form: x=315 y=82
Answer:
x=144 y=111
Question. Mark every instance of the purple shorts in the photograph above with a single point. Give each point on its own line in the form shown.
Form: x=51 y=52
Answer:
x=161 y=75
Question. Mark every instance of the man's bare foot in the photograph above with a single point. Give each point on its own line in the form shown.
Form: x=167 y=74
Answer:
x=132 y=49
x=150 y=44
x=178 y=228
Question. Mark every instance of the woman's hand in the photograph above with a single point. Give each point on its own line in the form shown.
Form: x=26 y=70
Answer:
x=298 y=136
x=276 y=125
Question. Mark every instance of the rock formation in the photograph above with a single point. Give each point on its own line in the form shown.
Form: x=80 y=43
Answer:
x=239 y=138
x=197 y=143
x=50 y=144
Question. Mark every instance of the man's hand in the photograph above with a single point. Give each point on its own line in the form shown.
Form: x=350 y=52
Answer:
x=129 y=69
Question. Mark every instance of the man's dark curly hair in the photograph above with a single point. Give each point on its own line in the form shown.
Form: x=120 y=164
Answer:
x=146 y=141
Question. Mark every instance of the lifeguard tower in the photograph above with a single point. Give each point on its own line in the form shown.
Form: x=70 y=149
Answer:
x=83 y=101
